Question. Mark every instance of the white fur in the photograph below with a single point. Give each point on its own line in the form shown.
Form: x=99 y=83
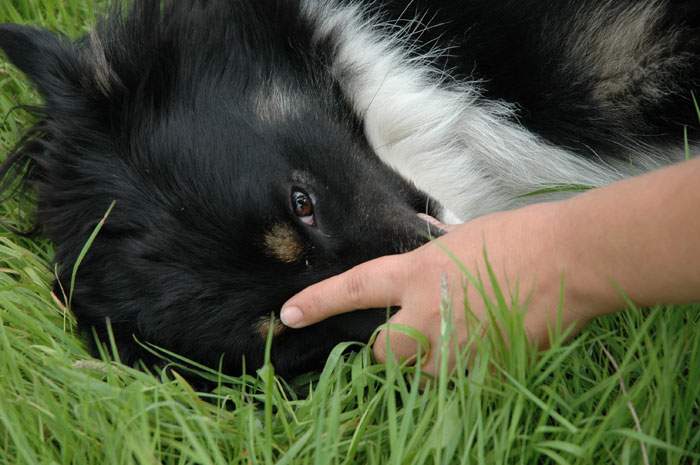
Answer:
x=466 y=151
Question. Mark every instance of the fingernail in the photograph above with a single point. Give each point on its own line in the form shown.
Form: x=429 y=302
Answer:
x=291 y=316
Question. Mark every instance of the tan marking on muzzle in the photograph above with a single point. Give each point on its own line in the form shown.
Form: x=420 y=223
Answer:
x=263 y=327
x=283 y=243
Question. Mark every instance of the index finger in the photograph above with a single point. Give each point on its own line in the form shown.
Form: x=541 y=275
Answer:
x=374 y=284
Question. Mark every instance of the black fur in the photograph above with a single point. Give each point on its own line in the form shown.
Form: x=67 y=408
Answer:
x=521 y=52
x=155 y=112
x=171 y=139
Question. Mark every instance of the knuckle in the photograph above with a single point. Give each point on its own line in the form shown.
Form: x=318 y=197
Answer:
x=379 y=352
x=354 y=286
x=379 y=348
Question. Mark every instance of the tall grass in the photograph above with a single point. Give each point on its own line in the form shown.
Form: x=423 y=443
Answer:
x=626 y=391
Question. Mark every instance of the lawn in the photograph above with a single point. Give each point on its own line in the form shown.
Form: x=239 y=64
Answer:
x=627 y=390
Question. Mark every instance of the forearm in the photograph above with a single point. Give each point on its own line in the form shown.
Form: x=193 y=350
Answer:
x=640 y=236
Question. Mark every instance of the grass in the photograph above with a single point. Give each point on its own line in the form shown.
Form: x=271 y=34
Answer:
x=625 y=391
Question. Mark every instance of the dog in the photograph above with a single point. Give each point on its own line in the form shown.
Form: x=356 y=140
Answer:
x=250 y=148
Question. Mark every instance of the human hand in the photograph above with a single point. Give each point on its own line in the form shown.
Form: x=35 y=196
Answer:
x=524 y=248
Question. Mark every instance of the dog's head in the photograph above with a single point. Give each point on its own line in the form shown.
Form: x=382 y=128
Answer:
x=239 y=175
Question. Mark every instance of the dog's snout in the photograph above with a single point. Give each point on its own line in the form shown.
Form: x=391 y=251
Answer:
x=419 y=230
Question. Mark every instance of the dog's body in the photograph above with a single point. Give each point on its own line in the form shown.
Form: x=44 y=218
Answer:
x=252 y=147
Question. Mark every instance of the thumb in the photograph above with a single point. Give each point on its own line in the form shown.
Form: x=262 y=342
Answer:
x=374 y=284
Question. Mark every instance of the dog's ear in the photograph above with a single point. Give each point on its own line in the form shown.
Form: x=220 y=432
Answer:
x=51 y=62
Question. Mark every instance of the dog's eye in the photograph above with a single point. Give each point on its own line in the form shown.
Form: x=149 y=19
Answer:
x=303 y=206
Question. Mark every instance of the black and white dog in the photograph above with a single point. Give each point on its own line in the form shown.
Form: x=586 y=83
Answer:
x=254 y=147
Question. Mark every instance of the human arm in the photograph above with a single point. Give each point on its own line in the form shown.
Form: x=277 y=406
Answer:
x=641 y=236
